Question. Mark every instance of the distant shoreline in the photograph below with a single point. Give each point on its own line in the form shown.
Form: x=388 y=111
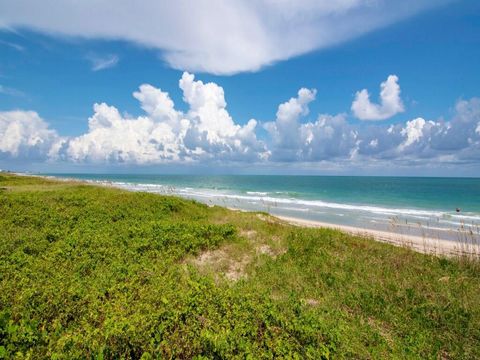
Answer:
x=422 y=244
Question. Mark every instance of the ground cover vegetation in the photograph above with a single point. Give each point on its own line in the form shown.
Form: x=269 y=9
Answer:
x=91 y=272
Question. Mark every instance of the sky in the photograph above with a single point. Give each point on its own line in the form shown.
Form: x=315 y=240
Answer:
x=343 y=87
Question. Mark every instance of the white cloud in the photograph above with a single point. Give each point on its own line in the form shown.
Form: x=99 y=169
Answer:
x=114 y=139
x=333 y=138
x=23 y=134
x=157 y=104
x=330 y=137
x=212 y=132
x=285 y=131
x=207 y=108
x=413 y=132
x=102 y=62
x=205 y=132
x=220 y=37
x=390 y=102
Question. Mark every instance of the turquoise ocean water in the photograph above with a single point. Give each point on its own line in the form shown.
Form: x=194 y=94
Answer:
x=419 y=206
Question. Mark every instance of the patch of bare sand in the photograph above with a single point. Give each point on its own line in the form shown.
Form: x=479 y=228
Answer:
x=416 y=243
x=311 y=302
x=222 y=263
x=231 y=261
x=249 y=234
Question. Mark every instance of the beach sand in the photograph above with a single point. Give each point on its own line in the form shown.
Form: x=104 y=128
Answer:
x=420 y=244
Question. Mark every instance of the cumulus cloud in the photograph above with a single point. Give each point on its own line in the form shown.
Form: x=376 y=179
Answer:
x=413 y=131
x=390 y=102
x=25 y=135
x=334 y=138
x=214 y=36
x=207 y=133
x=212 y=130
x=285 y=131
x=102 y=62
x=164 y=134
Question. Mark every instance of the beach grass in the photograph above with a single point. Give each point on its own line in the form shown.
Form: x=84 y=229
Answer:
x=101 y=273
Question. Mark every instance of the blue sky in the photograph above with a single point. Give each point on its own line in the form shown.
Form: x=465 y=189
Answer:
x=59 y=73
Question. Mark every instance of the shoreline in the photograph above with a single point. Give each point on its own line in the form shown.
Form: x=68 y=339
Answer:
x=425 y=245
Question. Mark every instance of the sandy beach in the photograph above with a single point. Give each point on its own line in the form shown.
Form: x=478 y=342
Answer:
x=420 y=244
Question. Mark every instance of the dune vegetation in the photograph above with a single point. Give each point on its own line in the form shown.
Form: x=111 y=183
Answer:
x=91 y=272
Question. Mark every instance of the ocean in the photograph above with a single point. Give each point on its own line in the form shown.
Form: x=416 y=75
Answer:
x=406 y=205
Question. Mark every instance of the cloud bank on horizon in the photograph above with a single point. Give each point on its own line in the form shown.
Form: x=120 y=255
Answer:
x=220 y=37
x=207 y=133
